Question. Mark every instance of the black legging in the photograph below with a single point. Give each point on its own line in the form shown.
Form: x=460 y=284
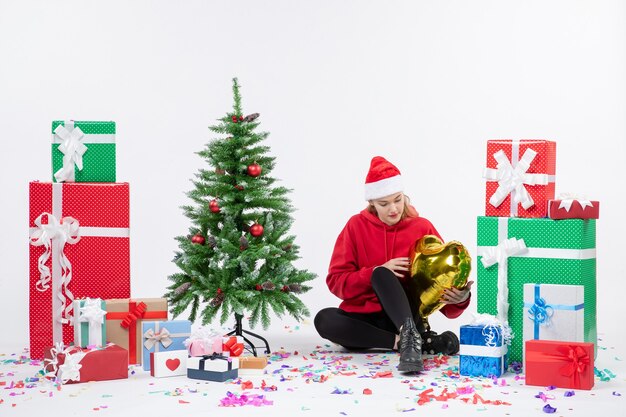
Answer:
x=370 y=330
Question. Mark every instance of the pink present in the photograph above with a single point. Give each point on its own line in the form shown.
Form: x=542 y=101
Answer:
x=204 y=341
x=201 y=347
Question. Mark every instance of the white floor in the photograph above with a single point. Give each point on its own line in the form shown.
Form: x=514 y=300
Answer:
x=311 y=378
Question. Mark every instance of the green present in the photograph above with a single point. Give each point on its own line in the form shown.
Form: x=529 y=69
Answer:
x=517 y=251
x=83 y=151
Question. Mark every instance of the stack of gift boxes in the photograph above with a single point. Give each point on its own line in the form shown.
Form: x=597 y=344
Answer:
x=81 y=317
x=536 y=272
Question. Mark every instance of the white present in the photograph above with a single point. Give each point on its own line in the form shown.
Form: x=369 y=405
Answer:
x=216 y=367
x=554 y=312
x=168 y=363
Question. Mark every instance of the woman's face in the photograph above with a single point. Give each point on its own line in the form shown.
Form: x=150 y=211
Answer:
x=389 y=209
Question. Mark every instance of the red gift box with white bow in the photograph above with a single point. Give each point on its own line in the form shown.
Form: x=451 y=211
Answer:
x=79 y=247
x=559 y=364
x=73 y=364
x=520 y=177
x=573 y=207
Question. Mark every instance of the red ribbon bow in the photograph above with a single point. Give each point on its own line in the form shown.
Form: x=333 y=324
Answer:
x=577 y=360
x=231 y=345
x=134 y=315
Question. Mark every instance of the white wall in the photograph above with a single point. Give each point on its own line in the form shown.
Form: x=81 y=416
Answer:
x=424 y=83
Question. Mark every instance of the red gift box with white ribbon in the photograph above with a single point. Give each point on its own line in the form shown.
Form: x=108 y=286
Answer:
x=559 y=364
x=73 y=364
x=520 y=177
x=570 y=206
x=79 y=247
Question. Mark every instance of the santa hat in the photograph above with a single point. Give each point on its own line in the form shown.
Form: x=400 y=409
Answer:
x=382 y=179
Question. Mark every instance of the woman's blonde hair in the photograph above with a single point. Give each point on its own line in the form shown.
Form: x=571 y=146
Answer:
x=407 y=211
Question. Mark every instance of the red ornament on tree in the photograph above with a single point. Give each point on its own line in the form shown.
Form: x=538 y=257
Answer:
x=258 y=287
x=256 y=230
x=197 y=239
x=234 y=119
x=239 y=187
x=285 y=288
x=254 y=170
x=214 y=206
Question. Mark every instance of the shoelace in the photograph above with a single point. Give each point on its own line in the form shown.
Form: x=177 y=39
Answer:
x=412 y=340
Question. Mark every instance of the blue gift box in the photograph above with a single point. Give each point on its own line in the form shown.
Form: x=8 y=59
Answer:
x=482 y=351
x=162 y=336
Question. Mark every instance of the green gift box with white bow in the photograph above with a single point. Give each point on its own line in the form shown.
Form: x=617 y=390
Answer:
x=90 y=327
x=83 y=151
x=517 y=251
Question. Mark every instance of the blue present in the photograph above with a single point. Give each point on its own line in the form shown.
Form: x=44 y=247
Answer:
x=163 y=336
x=482 y=351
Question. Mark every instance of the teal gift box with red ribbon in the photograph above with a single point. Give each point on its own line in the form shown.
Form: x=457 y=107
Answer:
x=554 y=312
x=559 y=364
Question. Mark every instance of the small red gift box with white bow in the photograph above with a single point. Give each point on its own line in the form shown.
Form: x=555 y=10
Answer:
x=559 y=364
x=573 y=207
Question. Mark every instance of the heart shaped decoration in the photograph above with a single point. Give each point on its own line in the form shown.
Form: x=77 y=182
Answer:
x=436 y=267
x=172 y=364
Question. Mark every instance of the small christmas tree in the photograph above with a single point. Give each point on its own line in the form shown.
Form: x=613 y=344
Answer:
x=238 y=256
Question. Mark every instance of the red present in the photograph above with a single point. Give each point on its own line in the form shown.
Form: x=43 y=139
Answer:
x=561 y=364
x=520 y=177
x=74 y=364
x=79 y=248
x=572 y=207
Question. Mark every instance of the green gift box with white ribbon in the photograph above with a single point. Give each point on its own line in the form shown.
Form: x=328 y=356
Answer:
x=90 y=327
x=517 y=251
x=83 y=151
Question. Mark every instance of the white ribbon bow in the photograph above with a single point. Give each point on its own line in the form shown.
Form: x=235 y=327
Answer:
x=72 y=148
x=64 y=231
x=500 y=255
x=70 y=369
x=152 y=338
x=568 y=199
x=512 y=180
x=91 y=312
x=493 y=328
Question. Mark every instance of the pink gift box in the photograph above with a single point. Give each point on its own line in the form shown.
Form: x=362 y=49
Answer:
x=201 y=347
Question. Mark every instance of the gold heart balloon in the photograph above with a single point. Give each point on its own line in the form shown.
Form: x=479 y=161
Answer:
x=436 y=267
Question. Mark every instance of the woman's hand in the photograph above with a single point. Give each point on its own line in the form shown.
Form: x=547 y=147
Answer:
x=397 y=266
x=456 y=296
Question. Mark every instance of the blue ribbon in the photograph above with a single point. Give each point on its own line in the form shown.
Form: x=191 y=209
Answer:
x=541 y=312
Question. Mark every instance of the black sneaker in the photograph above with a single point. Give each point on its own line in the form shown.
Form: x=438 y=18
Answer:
x=446 y=343
x=410 y=348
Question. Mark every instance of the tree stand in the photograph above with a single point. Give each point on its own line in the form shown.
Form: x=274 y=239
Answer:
x=239 y=331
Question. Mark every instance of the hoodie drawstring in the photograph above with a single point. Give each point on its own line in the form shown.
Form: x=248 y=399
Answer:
x=393 y=243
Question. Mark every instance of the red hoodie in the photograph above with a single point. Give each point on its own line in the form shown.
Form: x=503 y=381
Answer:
x=365 y=243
